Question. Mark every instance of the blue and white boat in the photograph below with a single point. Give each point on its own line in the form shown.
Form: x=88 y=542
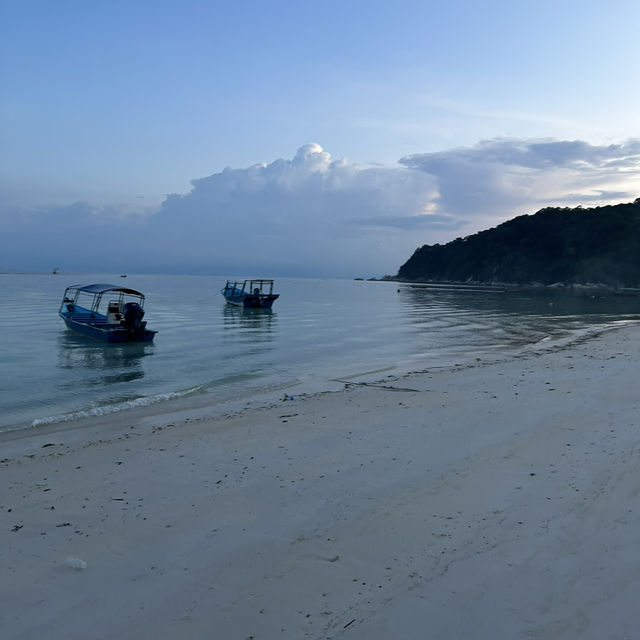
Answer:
x=105 y=312
x=250 y=294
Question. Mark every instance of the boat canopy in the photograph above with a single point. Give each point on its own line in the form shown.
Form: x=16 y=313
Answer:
x=104 y=288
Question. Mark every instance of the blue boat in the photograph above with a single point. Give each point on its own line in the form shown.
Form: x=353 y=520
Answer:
x=105 y=312
x=250 y=294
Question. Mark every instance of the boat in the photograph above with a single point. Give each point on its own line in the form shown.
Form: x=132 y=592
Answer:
x=250 y=294
x=105 y=312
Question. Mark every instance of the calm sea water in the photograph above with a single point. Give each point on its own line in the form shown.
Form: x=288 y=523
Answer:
x=207 y=352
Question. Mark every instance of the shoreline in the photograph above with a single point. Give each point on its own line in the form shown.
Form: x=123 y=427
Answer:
x=488 y=500
x=191 y=402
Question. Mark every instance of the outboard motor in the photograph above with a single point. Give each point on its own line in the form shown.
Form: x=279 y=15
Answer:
x=133 y=315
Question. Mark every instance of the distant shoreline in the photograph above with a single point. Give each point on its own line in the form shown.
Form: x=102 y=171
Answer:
x=599 y=288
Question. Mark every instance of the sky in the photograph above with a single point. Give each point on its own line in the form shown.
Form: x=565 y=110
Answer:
x=294 y=138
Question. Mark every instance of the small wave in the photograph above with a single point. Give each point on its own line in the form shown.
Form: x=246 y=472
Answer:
x=114 y=408
x=573 y=337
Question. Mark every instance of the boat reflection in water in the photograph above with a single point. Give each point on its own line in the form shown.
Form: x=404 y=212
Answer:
x=98 y=364
x=256 y=325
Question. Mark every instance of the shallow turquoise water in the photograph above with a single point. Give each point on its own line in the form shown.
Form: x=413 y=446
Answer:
x=318 y=331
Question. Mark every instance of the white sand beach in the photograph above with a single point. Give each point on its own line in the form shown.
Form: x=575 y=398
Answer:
x=496 y=501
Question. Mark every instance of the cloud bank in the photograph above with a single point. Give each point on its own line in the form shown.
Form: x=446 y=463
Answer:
x=312 y=215
x=307 y=214
x=501 y=178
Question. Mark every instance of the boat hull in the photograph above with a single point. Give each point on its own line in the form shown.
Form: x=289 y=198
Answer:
x=253 y=302
x=108 y=333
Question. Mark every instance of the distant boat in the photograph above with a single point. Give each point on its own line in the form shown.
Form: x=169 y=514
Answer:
x=250 y=294
x=105 y=312
x=56 y=271
x=124 y=275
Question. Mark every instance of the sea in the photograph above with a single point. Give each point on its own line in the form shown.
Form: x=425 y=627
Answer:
x=319 y=334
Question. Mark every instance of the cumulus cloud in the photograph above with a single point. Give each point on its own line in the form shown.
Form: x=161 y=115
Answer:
x=309 y=213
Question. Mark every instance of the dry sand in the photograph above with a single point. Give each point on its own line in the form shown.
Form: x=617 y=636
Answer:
x=494 y=501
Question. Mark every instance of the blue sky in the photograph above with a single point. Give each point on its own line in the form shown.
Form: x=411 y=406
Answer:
x=334 y=137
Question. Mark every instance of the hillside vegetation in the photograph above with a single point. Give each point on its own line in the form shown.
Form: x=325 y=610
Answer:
x=573 y=246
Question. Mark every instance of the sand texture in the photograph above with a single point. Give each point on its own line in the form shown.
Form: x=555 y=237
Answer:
x=496 y=501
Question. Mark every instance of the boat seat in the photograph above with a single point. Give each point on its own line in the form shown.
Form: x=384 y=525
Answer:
x=114 y=314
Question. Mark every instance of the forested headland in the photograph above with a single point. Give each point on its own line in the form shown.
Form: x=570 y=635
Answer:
x=599 y=245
